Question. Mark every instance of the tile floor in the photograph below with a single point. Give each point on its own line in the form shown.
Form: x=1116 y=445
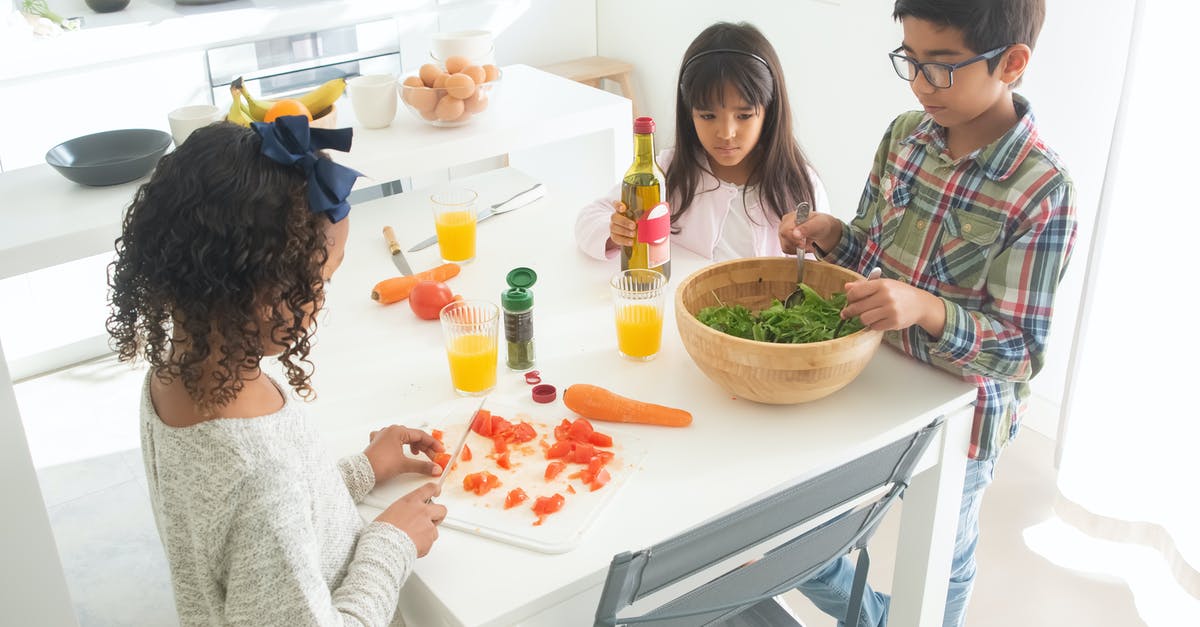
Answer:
x=93 y=483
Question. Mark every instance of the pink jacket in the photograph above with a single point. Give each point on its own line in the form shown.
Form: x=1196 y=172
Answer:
x=700 y=227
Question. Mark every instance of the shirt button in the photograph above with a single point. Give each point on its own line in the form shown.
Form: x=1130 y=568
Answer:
x=967 y=228
x=920 y=224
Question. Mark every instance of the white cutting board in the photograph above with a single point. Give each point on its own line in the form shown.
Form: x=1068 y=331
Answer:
x=485 y=515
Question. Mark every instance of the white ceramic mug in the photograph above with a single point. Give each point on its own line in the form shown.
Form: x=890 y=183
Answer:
x=475 y=45
x=184 y=120
x=374 y=99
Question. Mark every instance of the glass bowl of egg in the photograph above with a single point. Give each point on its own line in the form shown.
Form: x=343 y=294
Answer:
x=450 y=93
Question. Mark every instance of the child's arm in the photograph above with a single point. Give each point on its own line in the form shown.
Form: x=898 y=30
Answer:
x=593 y=226
x=384 y=458
x=270 y=563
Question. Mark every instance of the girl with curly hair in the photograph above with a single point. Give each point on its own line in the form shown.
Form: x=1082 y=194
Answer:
x=222 y=261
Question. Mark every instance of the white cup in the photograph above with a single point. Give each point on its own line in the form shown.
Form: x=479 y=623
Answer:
x=184 y=120
x=374 y=99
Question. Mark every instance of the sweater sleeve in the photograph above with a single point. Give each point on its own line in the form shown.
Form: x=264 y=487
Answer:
x=592 y=226
x=358 y=475
x=272 y=564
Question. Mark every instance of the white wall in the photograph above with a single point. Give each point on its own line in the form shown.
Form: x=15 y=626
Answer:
x=844 y=93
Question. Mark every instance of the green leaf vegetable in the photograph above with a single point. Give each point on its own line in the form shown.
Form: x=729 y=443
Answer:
x=814 y=320
x=41 y=9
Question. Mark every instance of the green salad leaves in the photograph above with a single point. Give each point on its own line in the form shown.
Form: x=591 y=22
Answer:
x=814 y=320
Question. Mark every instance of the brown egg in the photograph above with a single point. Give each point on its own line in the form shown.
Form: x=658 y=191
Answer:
x=430 y=115
x=460 y=86
x=456 y=63
x=476 y=73
x=477 y=102
x=440 y=81
x=414 y=81
x=421 y=98
x=428 y=73
x=491 y=73
x=449 y=109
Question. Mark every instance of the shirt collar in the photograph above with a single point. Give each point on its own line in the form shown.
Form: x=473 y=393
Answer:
x=999 y=159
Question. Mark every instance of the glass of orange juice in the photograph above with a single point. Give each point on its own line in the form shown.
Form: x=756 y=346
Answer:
x=470 y=329
x=454 y=220
x=638 y=296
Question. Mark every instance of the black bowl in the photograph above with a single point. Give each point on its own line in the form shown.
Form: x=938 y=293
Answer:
x=111 y=157
x=106 y=6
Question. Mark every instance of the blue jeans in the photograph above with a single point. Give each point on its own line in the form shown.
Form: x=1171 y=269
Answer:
x=829 y=588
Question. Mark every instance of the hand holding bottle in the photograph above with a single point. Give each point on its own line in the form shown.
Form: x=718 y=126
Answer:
x=621 y=229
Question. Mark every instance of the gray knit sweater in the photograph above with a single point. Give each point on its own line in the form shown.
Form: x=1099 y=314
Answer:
x=261 y=529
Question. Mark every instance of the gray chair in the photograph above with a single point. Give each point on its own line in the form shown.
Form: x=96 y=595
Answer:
x=833 y=514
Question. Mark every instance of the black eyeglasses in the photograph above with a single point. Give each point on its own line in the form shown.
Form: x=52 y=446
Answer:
x=940 y=75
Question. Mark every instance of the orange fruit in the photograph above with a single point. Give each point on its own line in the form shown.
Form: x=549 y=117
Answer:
x=287 y=107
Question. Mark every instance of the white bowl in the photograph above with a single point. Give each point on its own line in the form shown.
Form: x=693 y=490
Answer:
x=476 y=45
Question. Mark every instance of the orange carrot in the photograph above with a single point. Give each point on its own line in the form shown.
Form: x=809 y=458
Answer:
x=597 y=403
x=396 y=289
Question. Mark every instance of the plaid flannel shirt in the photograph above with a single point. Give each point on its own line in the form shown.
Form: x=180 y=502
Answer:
x=990 y=234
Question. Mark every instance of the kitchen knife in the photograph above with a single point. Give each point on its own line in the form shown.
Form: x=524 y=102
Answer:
x=462 y=442
x=521 y=199
x=397 y=254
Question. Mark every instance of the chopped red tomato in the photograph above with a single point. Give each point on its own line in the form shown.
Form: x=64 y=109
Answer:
x=599 y=480
x=515 y=497
x=600 y=439
x=596 y=464
x=480 y=482
x=560 y=432
x=466 y=454
x=553 y=468
x=442 y=459
x=437 y=434
x=582 y=453
x=482 y=424
x=607 y=455
x=562 y=448
x=499 y=445
x=501 y=427
x=523 y=432
x=580 y=430
x=546 y=505
x=571 y=489
x=503 y=461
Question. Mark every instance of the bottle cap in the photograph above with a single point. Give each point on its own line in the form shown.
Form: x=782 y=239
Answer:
x=544 y=393
x=518 y=297
x=643 y=125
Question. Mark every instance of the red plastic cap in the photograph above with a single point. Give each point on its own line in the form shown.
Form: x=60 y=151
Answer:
x=544 y=393
x=643 y=125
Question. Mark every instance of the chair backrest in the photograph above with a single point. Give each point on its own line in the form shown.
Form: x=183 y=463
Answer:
x=845 y=505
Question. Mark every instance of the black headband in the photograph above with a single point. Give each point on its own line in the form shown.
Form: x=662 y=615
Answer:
x=719 y=50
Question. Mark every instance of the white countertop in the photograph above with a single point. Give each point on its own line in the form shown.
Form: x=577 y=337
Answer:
x=46 y=219
x=376 y=363
x=148 y=27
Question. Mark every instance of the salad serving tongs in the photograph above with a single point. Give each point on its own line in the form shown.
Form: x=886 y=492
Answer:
x=795 y=298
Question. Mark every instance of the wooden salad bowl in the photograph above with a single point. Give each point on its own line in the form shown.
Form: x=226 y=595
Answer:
x=778 y=374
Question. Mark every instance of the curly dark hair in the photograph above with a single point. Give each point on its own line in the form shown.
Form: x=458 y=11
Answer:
x=218 y=251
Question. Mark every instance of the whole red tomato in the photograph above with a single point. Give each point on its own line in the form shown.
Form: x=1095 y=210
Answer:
x=428 y=298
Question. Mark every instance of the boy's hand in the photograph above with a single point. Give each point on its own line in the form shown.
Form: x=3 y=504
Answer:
x=890 y=305
x=386 y=452
x=413 y=515
x=820 y=228
x=621 y=230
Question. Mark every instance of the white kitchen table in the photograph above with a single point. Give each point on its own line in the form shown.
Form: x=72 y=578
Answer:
x=377 y=363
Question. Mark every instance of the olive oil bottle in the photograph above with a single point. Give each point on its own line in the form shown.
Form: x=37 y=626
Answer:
x=643 y=192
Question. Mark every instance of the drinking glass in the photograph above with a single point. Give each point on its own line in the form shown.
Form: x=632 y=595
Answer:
x=638 y=296
x=454 y=221
x=470 y=330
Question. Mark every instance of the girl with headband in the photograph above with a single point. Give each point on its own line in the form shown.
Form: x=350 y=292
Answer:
x=222 y=261
x=736 y=167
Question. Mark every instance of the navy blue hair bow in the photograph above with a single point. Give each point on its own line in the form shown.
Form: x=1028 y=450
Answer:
x=289 y=141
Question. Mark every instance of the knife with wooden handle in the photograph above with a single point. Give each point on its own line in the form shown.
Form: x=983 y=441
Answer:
x=397 y=254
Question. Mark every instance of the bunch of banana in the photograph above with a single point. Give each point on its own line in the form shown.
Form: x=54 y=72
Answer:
x=239 y=113
x=318 y=101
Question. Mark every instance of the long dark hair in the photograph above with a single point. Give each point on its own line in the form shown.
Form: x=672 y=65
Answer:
x=218 y=247
x=781 y=171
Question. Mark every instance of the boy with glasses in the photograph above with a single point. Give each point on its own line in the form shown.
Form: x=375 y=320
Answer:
x=971 y=217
